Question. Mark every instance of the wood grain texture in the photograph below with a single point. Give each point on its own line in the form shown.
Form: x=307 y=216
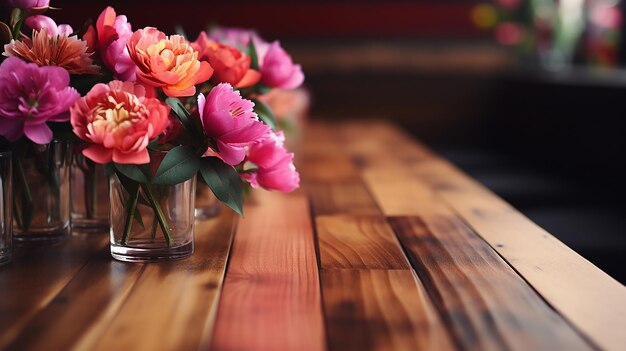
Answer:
x=34 y=278
x=350 y=197
x=328 y=168
x=380 y=310
x=486 y=303
x=358 y=242
x=82 y=308
x=271 y=298
x=592 y=300
x=172 y=305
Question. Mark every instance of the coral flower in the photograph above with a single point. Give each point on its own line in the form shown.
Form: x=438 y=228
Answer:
x=231 y=65
x=118 y=120
x=109 y=38
x=275 y=165
x=46 y=49
x=229 y=119
x=277 y=68
x=30 y=97
x=167 y=62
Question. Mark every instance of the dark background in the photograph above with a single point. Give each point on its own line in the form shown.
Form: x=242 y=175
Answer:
x=550 y=143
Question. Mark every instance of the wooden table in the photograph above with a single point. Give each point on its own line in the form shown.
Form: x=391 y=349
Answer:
x=386 y=246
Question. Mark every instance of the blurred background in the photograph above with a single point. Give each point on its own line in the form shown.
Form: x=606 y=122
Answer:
x=527 y=96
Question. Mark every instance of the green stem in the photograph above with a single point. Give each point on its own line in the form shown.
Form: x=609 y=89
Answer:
x=167 y=232
x=27 y=197
x=153 y=230
x=130 y=211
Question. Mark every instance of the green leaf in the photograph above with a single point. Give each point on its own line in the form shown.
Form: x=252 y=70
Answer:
x=109 y=169
x=254 y=58
x=224 y=182
x=138 y=173
x=265 y=113
x=183 y=115
x=180 y=164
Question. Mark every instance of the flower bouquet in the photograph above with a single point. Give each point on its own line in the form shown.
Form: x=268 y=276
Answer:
x=157 y=111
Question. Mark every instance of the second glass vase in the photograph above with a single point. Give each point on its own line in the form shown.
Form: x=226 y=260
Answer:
x=90 y=194
x=151 y=222
x=41 y=191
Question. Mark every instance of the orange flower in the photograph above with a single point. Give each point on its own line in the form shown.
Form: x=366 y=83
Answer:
x=167 y=62
x=54 y=50
x=231 y=65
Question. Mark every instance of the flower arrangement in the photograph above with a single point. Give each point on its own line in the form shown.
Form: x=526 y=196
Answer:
x=155 y=109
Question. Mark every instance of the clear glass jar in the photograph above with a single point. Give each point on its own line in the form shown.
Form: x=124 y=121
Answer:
x=90 y=194
x=207 y=205
x=41 y=191
x=6 y=206
x=152 y=222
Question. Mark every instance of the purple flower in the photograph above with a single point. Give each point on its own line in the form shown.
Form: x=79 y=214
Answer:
x=232 y=36
x=39 y=22
x=27 y=4
x=30 y=96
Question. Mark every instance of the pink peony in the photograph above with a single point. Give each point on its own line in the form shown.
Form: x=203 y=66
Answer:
x=231 y=65
x=30 y=97
x=167 y=62
x=230 y=120
x=39 y=22
x=28 y=4
x=119 y=121
x=109 y=39
x=277 y=68
x=275 y=165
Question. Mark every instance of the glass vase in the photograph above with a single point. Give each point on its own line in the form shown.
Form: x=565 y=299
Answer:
x=90 y=194
x=6 y=215
x=207 y=205
x=41 y=208
x=151 y=222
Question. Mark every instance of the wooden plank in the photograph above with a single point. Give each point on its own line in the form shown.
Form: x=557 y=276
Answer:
x=327 y=168
x=271 y=298
x=84 y=307
x=350 y=197
x=487 y=305
x=592 y=300
x=172 y=305
x=358 y=242
x=33 y=279
x=380 y=310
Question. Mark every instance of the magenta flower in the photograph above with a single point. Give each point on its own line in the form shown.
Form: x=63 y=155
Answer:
x=39 y=22
x=229 y=119
x=277 y=68
x=113 y=34
x=30 y=97
x=28 y=4
x=275 y=165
